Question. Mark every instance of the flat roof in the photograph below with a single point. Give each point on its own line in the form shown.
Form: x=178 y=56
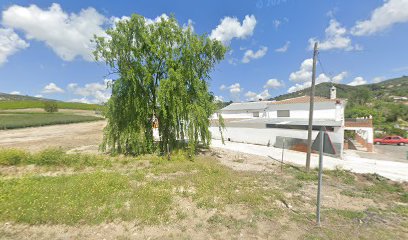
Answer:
x=247 y=106
x=262 y=105
x=263 y=122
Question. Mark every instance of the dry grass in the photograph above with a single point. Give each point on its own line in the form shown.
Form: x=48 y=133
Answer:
x=181 y=198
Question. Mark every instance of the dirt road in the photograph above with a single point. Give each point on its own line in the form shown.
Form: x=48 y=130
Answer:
x=69 y=136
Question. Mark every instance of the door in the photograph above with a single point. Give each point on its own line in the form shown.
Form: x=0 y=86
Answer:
x=387 y=140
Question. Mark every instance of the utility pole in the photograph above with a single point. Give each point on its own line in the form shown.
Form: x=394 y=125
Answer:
x=312 y=94
x=319 y=183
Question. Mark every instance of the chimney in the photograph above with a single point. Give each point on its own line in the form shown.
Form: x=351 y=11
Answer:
x=333 y=92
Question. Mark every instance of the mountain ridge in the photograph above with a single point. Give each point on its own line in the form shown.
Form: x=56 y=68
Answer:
x=387 y=88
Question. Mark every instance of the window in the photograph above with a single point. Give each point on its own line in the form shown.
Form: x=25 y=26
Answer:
x=256 y=114
x=283 y=113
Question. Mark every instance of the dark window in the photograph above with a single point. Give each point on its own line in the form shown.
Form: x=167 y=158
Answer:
x=283 y=113
x=256 y=114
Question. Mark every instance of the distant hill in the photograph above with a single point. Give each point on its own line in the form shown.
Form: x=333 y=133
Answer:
x=384 y=89
x=15 y=97
x=12 y=101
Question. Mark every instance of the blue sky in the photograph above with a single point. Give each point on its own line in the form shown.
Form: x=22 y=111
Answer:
x=45 y=50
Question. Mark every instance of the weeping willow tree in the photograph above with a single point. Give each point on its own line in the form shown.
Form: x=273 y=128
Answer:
x=163 y=71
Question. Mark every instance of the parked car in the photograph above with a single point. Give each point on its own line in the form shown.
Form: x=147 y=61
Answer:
x=391 y=140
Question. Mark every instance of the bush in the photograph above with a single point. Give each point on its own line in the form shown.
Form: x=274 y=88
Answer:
x=50 y=107
x=11 y=157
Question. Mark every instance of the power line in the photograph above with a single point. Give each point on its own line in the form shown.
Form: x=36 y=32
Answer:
x=330 y=75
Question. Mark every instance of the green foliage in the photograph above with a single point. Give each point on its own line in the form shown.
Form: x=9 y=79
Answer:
x=50 y=157
x=382 y=90
x=50 y=107
x=221 y=105
x=23 y=120
x=92 y=198
x=382 y=186
x=163 y=71
x=385 y=115
x=22 y=104
x=11 y=157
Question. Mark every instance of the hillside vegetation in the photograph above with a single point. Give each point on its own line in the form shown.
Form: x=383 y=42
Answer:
x=22 y=104
x=385 y=89
x=23 y=120
x=15 y=97
x=389 y=117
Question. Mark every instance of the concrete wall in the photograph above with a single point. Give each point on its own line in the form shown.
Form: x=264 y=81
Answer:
x=322 y=110
x=265 y=136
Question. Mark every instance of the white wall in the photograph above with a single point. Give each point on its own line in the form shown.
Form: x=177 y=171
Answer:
x=227 y=115
x=263 y=136
x=364 y=132
x=322 y=110
x=304 y=114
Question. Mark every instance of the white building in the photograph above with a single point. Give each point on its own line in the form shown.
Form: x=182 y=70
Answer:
x=274 y=122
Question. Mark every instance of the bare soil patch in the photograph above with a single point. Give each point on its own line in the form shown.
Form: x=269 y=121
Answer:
x=69 y=136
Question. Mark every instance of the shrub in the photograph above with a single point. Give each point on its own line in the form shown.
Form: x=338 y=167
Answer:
x=50 y=107
x=11 y=157
x=51 y=156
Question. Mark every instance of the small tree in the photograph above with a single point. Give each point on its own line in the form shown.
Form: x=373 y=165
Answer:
x=162 y=72
x=50 y=107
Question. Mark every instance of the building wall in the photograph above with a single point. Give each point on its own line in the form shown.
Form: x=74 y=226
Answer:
x=240 y=114
x=322 y=110
x=267 y=136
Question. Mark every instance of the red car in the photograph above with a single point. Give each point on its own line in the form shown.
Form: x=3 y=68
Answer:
x=391 y=140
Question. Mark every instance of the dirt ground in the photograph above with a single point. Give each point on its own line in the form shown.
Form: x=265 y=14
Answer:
x=197 y=223
x=85 y=136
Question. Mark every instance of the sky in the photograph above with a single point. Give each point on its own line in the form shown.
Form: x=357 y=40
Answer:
x=45 y=47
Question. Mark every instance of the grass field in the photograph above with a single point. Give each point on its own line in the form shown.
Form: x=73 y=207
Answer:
x=22 y=120
x=183 y=198
x=40 y=104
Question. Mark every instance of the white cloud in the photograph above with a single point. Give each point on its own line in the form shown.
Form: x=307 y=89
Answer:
x=38 y=96
x=321 y=78
x=338 y=78
x=303 y=77
x=52 y=88
x=233 y=61
x=219 y=98
x=305 y=72
x=336 y=38
x=10 y=43
x=252 y=96
x=190 y=24
x=157 y=19
x=223 y=87
x=298 y=87
x=235 y=88
x=249 y=54
x=390 y=13
x=273 y=83
x=230 y=28
x=284 y=48
x=67 y=34
x=91 y=92
x=357 y=81
x=15 y=93
x=378 y=79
